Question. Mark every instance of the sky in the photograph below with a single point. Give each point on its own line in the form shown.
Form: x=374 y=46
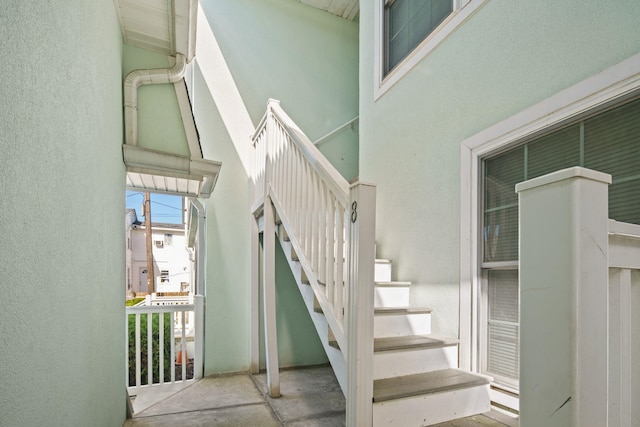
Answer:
x=164 y=207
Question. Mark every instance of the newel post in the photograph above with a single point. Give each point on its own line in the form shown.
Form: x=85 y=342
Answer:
x=563 y=298
x=360 y=297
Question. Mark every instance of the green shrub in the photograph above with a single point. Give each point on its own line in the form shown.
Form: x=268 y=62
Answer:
x=133 y=301
x=144 y=361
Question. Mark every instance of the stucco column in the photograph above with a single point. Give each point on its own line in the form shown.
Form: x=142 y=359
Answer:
x=563 y=298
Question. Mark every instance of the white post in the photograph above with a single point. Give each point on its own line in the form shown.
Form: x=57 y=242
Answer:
x=359 y=320
x=269 y=299
x=254 y=365
x=198 y=359
x=563 y=299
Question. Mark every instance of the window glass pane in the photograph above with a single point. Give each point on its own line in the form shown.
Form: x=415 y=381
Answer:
x=503 y=329
x=612 y=145
x=553 y=152
x=408 y=22
x=624 y=201
x=500 y=233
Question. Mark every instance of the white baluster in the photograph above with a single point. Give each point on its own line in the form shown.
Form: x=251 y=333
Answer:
x=161 y=345
x=322 y=234
x=330 y=248
x=150 y=348
x=138 y=359
x=339 y=278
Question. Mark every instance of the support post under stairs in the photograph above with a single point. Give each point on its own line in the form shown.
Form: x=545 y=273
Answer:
x=254 y=292
x=269 y=298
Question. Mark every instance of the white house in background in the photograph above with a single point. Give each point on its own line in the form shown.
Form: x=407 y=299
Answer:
x=171 y=261
x=130 y=219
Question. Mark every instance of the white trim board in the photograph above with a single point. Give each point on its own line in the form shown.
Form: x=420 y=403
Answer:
x=611 y=85
x=463 y=9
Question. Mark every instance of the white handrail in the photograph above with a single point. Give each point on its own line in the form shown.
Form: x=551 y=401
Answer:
x=316 y=159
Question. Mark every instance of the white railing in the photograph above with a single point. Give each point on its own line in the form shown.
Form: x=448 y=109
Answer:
x=624 y=332
x=579 y=304
x=168 y=349
x=331 y=226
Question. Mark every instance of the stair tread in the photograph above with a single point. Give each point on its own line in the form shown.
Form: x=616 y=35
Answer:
x=393 y=284
x=411 y=342
x=402 y=310
x=425 y=383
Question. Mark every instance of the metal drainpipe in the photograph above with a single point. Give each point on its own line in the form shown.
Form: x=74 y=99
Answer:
x=201 y=253
x=137 y=78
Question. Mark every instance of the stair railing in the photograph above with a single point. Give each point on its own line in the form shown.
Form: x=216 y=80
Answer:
x=331 y=226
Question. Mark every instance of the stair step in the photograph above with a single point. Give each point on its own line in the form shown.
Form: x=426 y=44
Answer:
x=382 y=272
x=391 y=294
x=393 y=284
x=413 y=354
x=411 y=342
x=401 y=310
x=399 y=321
x=429 y=398
x=426 y=383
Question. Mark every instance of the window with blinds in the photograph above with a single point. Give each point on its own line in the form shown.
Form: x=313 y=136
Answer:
x=407 y=23
x=608 y=142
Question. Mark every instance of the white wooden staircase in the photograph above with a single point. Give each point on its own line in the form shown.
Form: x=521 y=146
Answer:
x=415 y=377
x=391 y=369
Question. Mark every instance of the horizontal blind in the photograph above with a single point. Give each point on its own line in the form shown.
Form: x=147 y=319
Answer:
x=608 y=142
x=503 y=334
x=408 y=22
x=553 y=152
x=612 y=145
x=500 y=231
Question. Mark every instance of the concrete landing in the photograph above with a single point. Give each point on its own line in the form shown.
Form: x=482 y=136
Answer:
x=311 y=397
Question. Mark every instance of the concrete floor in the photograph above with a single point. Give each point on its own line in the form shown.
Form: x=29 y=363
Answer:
x=311 y=397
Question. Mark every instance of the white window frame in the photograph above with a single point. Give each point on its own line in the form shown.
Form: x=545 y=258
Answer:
x=608 y=87
x=462 y=10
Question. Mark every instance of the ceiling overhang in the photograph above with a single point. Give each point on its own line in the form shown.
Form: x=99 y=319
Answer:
x=347 y=9
x=162 y=26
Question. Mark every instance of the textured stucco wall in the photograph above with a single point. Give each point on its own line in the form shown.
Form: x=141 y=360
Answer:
x=307 y=59
x=61 y=206
x=303 y=57
x=506 y=57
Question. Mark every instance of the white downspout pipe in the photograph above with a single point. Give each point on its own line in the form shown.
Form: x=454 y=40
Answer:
x=137 y=78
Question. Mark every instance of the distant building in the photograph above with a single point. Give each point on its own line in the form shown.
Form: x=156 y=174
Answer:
x=171 y=261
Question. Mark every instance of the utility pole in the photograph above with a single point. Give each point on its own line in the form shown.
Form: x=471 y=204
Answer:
x=147 y=223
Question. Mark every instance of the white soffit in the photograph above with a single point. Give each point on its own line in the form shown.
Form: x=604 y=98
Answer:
x=163 y=26
x=347 y=9
x=156 y=171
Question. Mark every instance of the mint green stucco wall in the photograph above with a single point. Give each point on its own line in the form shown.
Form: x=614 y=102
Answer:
x=61 y=212
x=159 y=124
x=306 y=58
x=506 y=57
x=303 y=57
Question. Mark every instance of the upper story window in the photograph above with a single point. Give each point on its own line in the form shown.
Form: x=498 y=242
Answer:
x=407 y=23
x=407 y=30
